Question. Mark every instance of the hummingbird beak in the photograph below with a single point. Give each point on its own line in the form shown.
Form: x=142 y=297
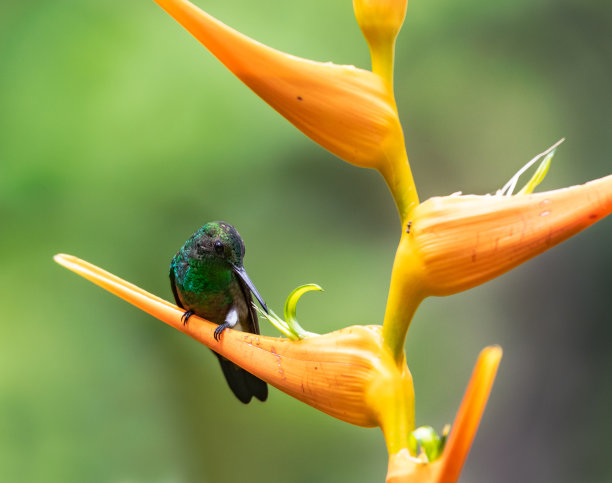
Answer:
x=241 y=272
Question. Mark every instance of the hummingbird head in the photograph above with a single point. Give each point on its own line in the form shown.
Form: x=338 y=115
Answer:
x=219 y=242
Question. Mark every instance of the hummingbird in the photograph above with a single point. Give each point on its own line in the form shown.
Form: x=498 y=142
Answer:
x=208 y=279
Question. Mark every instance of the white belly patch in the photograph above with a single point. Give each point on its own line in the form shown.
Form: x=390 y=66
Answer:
x=231 y=318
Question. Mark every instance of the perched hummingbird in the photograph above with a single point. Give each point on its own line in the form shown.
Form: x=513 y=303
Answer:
x=208 y=279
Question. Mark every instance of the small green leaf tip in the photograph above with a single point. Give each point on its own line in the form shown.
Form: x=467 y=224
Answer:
x=537 y=177
x=430 y=444
x=290 y=326
x=290 y=307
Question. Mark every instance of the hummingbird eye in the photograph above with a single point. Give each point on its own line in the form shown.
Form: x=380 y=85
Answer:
x=219 y=247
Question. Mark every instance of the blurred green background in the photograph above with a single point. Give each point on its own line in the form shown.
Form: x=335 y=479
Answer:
x=120 y=135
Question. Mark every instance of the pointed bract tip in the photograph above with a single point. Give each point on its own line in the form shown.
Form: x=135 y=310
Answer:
x=63 y=259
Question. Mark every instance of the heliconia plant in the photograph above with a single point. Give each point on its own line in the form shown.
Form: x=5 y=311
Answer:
x=448 y=244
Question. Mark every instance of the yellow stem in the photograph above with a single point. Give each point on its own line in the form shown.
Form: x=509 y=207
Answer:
x=382 y=55
x=405 y=295
x=397 y=400
x=398 y=176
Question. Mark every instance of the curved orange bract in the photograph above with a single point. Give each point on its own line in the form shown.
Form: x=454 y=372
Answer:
x=333 y=373
x=463 y=241
x=456 y=242
x=349 y=111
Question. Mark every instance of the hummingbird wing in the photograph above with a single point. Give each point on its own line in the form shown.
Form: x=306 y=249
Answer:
x=236 y=375
x=243 y=384
x=173 y=286
x=251 y=324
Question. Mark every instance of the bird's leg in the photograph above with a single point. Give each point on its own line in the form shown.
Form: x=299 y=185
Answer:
x=186 y=315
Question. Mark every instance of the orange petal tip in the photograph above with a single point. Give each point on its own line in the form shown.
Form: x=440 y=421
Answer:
x=470 y=413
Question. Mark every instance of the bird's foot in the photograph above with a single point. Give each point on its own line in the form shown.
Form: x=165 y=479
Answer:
x=219 y=330
x=186 y=316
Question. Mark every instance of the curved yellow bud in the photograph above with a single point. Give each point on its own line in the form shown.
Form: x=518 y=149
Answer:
x=380 y=21
x=454 y=242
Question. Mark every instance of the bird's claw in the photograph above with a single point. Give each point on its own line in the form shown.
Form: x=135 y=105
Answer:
x=186 y=315
x=219 y=330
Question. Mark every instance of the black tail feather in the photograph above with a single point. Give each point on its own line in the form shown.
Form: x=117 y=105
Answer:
x=243 y=384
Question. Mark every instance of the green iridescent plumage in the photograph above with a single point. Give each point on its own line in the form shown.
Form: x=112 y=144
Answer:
x=208 y=279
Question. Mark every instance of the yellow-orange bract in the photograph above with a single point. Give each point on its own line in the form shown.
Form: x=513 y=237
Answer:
x=349 y=111
x=457 y=242
x=463 y=241
x=338 y=373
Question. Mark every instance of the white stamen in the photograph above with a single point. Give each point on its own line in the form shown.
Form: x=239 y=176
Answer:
x=508 y=188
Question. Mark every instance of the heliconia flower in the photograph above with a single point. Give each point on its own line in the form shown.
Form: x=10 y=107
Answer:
x=380 y=21
x=348 y=374
x=456 y=242
x=349 y=111
x=448 y=244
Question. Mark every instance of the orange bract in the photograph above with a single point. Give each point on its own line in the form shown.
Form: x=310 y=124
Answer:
x=347 y=110
x=463 y=241
x=457 y=242
x=333 y=373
